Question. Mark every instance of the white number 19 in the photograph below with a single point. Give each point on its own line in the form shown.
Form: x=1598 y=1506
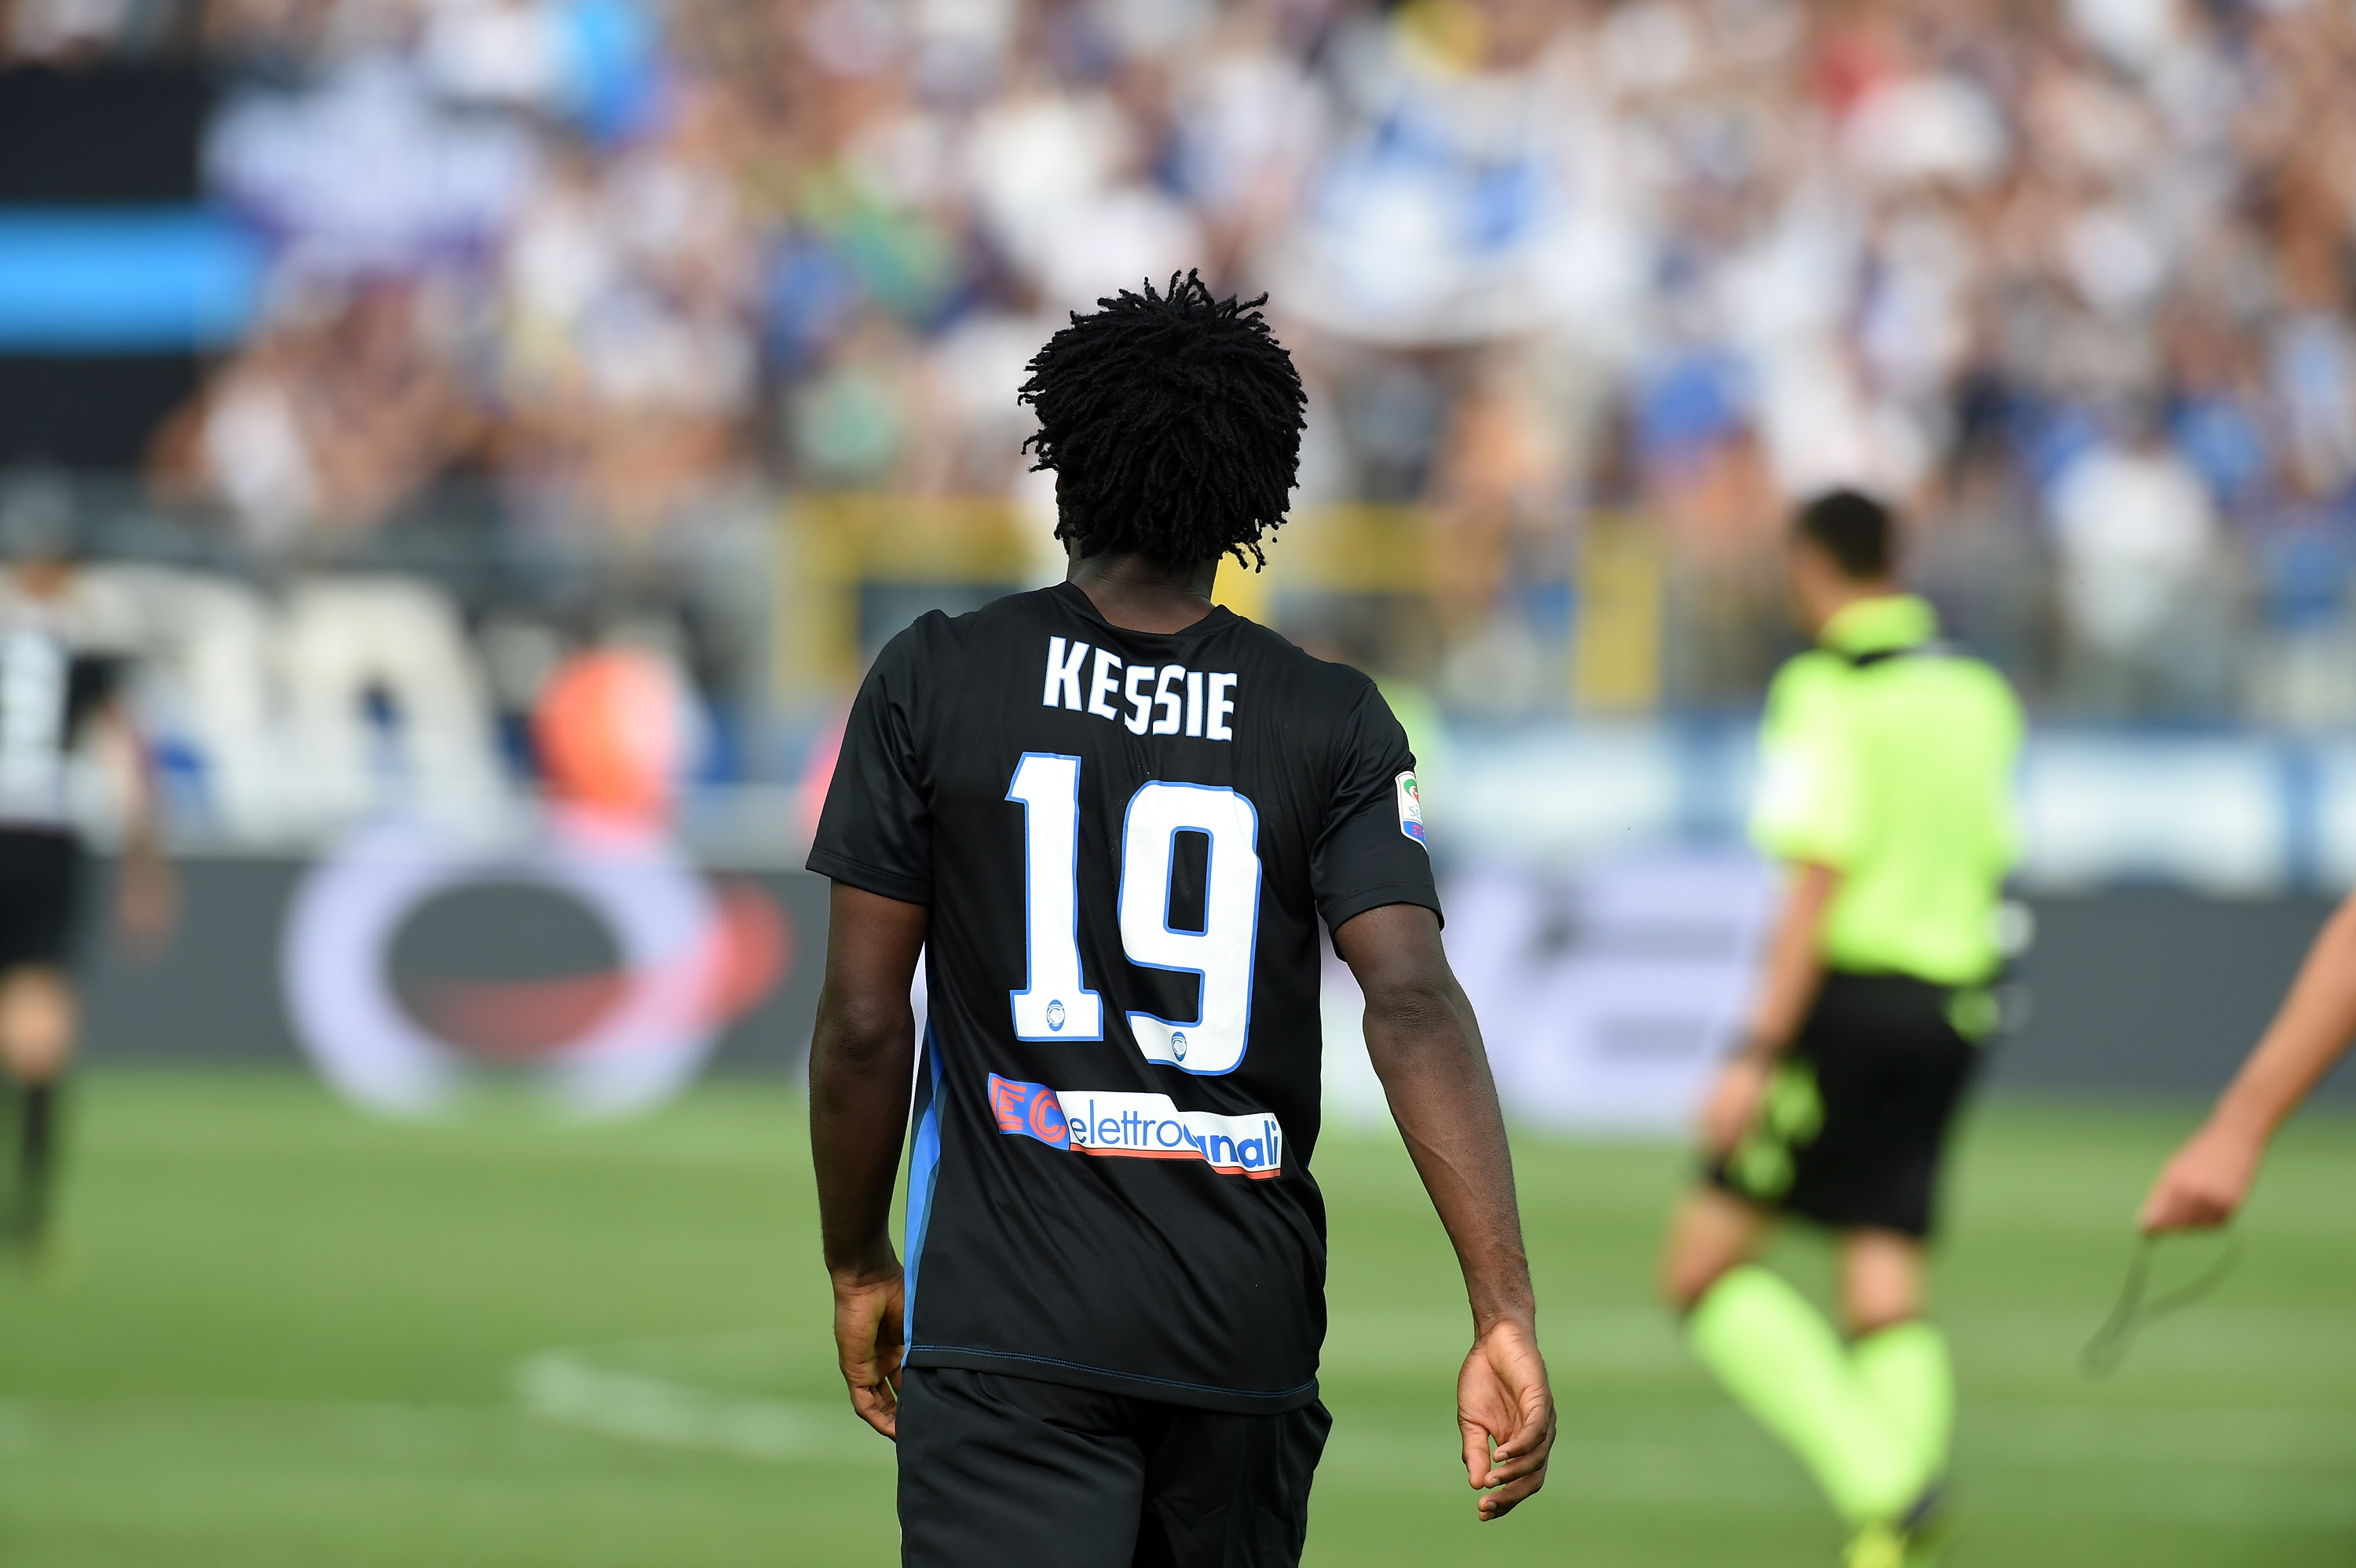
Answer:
x=1054 y=1003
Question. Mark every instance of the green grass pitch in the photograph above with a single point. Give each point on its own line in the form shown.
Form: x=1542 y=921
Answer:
x=286 y=1335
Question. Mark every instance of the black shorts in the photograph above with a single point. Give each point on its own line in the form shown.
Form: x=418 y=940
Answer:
x=1855 y=1122
x=40 y=897
x=998 y=1470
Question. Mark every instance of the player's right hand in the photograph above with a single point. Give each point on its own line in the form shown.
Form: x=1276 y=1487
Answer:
x=868 y=1304
x=1733 y=1102
x=2204 y=1185
x=146 y=904
x=1505 y=1410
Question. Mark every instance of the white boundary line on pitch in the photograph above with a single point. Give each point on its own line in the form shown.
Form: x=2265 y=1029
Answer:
x=562 y=1386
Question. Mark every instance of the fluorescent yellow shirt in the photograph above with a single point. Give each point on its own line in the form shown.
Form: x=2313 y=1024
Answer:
x=1889 y=757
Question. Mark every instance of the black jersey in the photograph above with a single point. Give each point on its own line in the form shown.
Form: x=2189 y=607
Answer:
x=1127 y=840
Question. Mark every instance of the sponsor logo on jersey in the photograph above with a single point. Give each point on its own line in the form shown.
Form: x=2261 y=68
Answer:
x=1137 y=1126
x=1410 y=808
x=1029 y=1110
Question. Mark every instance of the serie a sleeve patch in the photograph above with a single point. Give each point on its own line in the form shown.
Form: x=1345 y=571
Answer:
x=1410 y=808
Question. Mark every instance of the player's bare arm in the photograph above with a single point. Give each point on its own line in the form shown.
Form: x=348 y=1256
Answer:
x=1794 y=970
x=1714 y=1231
x=147 y=897
x=862 y=1056
x=1426 y=1047
x=2207 y=1181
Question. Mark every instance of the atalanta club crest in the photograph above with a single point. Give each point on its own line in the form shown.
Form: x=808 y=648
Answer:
x=1056 y=1015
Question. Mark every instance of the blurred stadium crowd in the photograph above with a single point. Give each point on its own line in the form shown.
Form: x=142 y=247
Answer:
x=1591 y=290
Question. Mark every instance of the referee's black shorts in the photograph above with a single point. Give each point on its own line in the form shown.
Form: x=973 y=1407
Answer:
x=1855 y=1122
x=1003 y=1472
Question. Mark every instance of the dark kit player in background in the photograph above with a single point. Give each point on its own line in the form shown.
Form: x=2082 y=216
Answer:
x=1112 y=816
x=59 y=700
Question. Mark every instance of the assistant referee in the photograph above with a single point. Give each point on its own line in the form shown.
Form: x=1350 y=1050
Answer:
x=1888 y=758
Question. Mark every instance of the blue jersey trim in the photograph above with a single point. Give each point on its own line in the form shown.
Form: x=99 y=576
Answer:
x=923 y=1165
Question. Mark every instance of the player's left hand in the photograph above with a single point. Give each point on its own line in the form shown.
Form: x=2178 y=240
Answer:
x=2204 y=1185
x=1505 y=1412
x=868 y=1304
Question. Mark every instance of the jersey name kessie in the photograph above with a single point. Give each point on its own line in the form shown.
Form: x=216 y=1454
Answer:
x=1162 y=699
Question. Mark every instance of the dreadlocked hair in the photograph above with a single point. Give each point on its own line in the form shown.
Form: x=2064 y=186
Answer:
x=1173 y=424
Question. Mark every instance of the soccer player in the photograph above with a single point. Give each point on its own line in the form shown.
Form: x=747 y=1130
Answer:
x=1888 y=760
x=2204 y=1185
x=1112 y=816
x=55 y=692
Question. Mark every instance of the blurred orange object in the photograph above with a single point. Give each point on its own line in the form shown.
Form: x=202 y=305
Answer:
x=611 y=731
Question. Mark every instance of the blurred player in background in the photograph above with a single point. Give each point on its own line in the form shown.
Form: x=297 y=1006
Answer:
x=58 y=692
x=2205 y=1185
x=1888 y=763
x=1112 y=816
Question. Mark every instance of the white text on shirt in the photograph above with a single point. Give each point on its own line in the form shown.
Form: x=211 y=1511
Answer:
x=1160 y=699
